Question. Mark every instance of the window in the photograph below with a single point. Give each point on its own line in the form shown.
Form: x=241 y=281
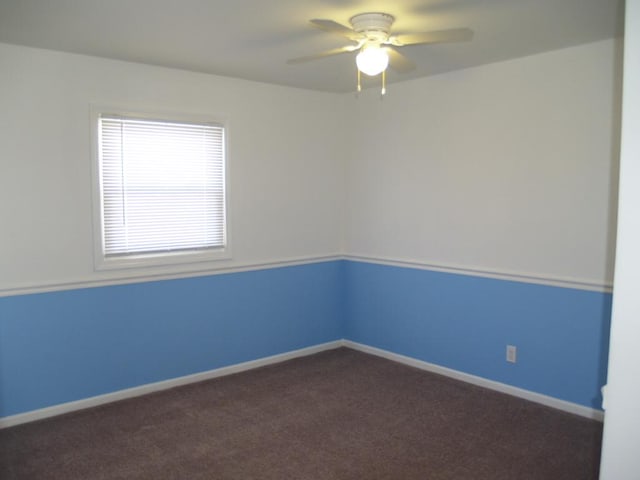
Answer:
x=162 y=191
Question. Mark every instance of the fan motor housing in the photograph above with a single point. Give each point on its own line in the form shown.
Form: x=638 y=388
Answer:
x=375 y=26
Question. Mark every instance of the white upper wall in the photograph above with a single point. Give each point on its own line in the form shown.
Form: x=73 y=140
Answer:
x=285 y=152
x=505 y=168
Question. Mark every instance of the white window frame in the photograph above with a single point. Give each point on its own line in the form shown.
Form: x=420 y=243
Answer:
x=179 y=261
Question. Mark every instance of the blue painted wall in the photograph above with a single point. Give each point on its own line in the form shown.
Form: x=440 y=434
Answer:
x=63 y=346
x=464 y=323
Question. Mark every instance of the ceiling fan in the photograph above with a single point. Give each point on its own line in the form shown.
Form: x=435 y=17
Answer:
x=376 y=46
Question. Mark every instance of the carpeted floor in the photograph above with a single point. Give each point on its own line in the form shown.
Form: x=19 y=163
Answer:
x=339 y=414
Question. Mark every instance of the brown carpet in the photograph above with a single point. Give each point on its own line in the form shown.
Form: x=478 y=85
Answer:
x=339 y=414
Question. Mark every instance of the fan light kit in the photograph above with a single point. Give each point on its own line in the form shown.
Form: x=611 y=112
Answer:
x=377 y=48
x=372 y=60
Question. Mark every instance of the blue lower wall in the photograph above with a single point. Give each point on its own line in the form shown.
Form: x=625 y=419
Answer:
x=64 y=346
x=465 y=322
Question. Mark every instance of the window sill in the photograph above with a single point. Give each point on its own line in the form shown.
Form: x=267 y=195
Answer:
x=161 y=259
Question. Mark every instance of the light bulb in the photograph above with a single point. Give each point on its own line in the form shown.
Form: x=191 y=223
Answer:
x=372 y=60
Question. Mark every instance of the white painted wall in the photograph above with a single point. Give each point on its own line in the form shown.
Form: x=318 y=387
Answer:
x=506 y=168
x=620 y=459
x=286 y=150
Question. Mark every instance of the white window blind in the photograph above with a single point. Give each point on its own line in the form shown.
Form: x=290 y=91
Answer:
x=162 y=186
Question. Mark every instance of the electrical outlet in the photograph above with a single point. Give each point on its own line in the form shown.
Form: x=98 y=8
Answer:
x=511 y=354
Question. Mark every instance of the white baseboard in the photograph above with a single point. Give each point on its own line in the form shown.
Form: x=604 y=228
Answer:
x=68 y=407
x=482 y=382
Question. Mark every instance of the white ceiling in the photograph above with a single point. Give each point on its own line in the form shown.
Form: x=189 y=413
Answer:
x=252 y=39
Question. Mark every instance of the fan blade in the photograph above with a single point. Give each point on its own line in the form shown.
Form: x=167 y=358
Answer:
x=442 y=36
x=327 y=53
x=335 y=27
x=399 y=62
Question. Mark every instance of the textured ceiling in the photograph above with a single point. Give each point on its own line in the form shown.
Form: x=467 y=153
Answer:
x=252 y=39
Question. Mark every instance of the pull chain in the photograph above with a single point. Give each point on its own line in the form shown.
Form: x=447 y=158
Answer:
x=383 y=91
